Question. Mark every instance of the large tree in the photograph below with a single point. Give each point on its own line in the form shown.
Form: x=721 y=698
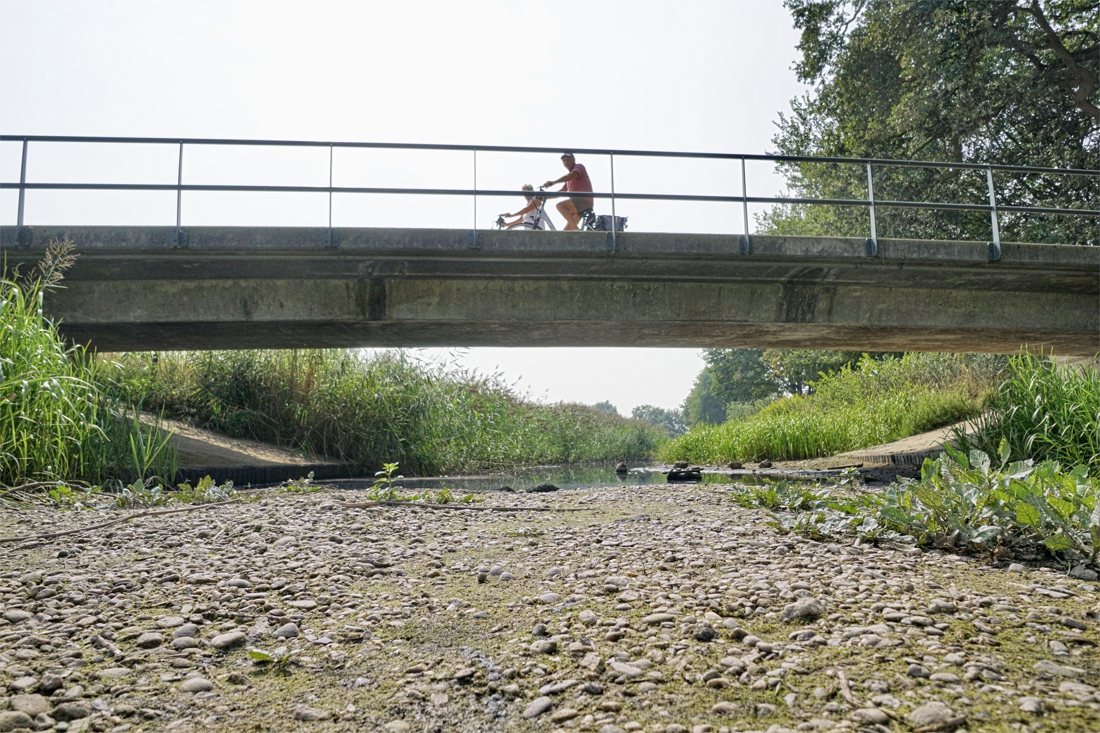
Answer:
x=985 y=81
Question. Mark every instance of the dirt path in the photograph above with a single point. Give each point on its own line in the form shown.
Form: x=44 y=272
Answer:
x=656 y=609
x=199 y=448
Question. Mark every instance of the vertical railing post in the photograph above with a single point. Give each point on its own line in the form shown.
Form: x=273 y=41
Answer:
x=472 y=243
x=995 y=245
x=330 y=236
x=614 y=221
x=746 y=242
x=872 y=243
x=179 y=237
x=21 y=237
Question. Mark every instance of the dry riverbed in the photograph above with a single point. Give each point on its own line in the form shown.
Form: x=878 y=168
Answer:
x=654 y=609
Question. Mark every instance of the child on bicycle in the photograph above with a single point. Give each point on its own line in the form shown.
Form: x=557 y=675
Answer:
x=531 y=216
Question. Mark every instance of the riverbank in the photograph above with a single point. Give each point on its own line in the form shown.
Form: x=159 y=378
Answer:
x=617 y=609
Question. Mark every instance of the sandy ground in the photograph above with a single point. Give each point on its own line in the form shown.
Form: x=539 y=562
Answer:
x=656 y=609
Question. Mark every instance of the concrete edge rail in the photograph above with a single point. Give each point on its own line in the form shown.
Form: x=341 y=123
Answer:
x=153 y=288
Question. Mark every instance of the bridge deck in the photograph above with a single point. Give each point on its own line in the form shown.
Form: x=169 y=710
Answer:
x=131 y=289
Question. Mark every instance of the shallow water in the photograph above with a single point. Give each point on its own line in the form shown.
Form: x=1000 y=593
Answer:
x=578 y=477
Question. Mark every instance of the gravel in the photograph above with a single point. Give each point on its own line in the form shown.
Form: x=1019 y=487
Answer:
x=655 y=609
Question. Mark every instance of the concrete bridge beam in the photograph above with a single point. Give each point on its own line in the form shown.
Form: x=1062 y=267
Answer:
x=284 y=288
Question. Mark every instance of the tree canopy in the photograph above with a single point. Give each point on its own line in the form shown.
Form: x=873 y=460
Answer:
x=977 y=81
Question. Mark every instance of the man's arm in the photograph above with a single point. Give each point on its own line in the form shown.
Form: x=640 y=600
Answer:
x=567 y=177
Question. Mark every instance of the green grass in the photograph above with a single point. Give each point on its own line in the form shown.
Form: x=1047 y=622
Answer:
x=876 y=402
x=1045 y=412
x=375 y=410
x=56 y=422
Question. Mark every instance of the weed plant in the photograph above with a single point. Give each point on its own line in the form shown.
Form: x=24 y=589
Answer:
x=56 y=422
x=1045 y=412
x=962 y=502
x=373 y=409
x=874 y=402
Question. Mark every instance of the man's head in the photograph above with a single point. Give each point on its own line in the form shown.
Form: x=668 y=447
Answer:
x=568 y=160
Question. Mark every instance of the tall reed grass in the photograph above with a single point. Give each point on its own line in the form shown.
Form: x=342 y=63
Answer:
x=374 y=410
x=1044 y=411
x=875 y=402
x=56 y=422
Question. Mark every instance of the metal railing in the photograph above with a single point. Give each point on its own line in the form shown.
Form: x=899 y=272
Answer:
x=993 y=208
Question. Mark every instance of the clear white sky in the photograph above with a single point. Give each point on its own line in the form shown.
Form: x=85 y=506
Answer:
x=684 y=75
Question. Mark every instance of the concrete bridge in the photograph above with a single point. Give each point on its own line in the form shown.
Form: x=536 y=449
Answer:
x=146 y=288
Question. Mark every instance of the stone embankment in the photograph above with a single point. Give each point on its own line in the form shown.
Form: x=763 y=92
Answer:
x=658 y=609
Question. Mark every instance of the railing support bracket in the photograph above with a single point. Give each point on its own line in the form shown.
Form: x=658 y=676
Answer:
x=994 y=251
x=871 y=247
x=330 y=238
x=746 y=244
x=179 y=237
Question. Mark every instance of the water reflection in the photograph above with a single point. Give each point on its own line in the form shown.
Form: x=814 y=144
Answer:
x=578 y=477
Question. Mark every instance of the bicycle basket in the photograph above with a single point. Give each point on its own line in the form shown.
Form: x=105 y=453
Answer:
x=603 y=223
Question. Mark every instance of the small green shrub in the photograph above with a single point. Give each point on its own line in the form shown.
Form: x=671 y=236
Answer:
x=961 y=502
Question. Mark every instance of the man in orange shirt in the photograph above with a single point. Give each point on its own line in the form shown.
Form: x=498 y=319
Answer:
x=576 y=182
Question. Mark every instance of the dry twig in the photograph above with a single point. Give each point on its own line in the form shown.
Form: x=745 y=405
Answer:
x=845 y=690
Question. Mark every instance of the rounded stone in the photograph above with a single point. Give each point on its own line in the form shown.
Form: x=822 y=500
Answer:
x=537 y=707
x=224 y=641
x=32 y=705
x=149 y=640
x=13 y=719
x=196 y=684
x=287 y=631
x=67 y=711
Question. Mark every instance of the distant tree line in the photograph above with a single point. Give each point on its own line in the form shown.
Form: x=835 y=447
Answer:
x=737 y=382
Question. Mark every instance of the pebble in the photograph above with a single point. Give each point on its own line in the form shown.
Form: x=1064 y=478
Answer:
x=287 y=631
x=32 y=705
x=1080 y=572
x=537 y=707
x=196 y=684
x=68 y=711
x=806 y=608
x=917 y=670
x=224 y=641
x=149 y=640
x=870 y=716
x=930 y=714
x=307 y=714
x=170 y=622
x=13 y=719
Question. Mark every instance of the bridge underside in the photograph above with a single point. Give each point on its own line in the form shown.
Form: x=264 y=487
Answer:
x=228 y=288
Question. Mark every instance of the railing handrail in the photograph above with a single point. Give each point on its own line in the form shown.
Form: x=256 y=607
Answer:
x=180 y=235
x=529 y=149
x=225 y=188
